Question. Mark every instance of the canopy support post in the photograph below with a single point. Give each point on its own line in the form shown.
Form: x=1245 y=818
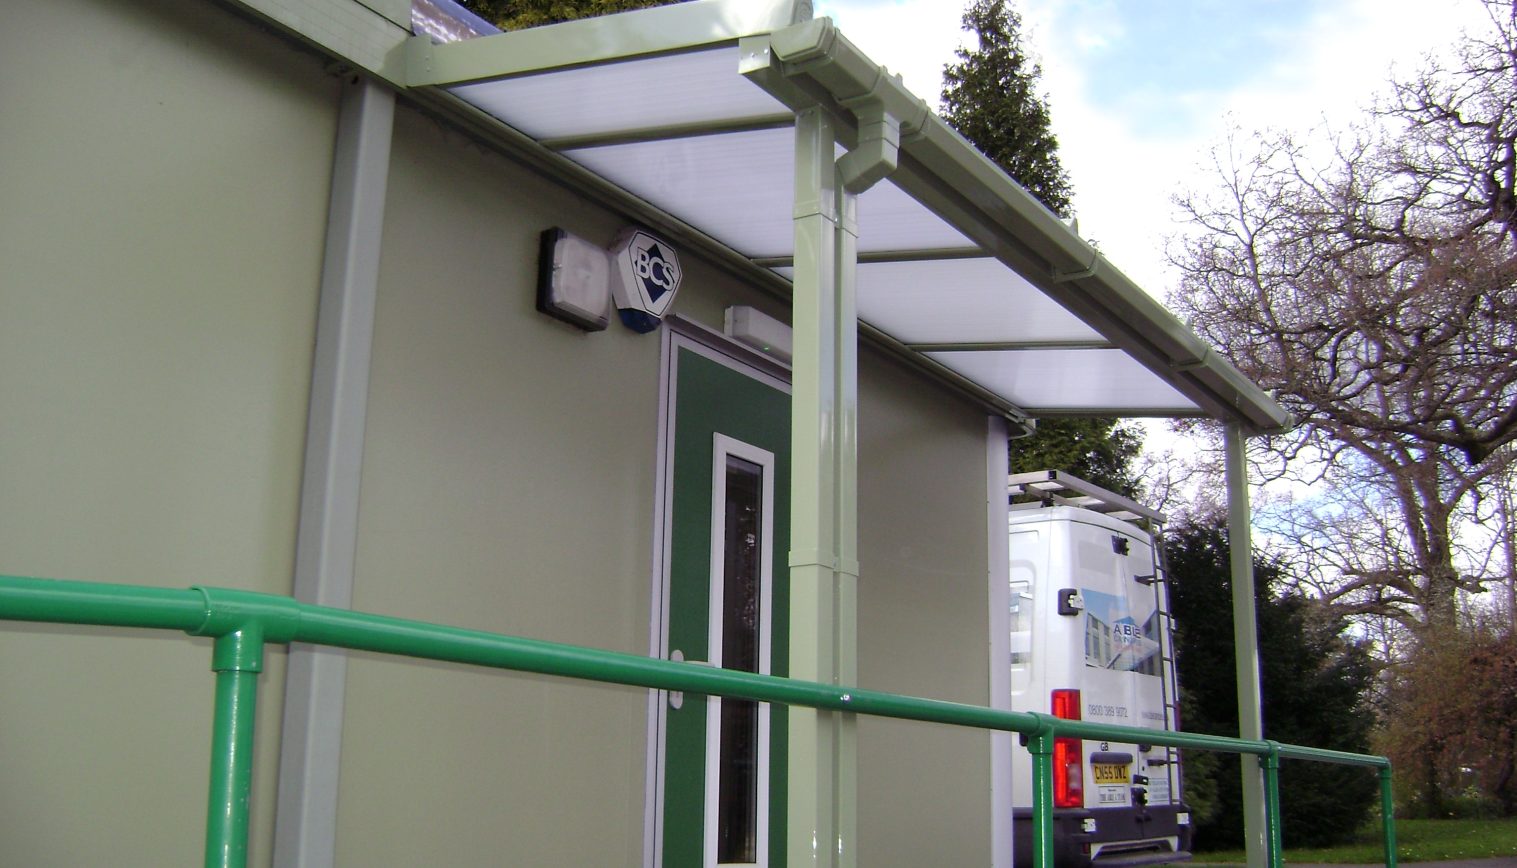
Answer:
x=1245 y=643
x=822 y=816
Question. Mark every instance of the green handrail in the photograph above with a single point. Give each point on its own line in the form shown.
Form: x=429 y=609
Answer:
x=242 y=622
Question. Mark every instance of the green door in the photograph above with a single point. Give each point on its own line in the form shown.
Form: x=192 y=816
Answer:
x=727 y=600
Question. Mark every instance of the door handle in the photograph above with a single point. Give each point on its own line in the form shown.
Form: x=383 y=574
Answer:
x=677 y=697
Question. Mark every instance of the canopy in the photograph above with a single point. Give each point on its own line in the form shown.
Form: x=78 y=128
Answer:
x=691 y=109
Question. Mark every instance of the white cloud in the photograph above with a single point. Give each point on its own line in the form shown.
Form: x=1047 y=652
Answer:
x=913 y=38
x=1126 y=168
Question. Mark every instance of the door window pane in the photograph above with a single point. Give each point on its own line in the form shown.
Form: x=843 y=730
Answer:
x=737 y=810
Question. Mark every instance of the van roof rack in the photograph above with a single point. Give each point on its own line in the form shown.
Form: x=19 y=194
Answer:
x=1057 y=488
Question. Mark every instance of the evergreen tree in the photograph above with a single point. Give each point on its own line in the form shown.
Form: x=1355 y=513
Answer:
x=519 y=14
x=990 y=96
x=1314 y=685
x=1095 y=449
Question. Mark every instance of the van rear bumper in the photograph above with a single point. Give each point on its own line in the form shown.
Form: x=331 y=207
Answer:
x=1123 y=836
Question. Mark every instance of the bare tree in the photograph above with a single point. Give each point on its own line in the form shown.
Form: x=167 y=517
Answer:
x=1506 y=526
x=1374 y=289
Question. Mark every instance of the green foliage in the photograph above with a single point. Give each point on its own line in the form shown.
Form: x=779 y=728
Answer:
x=1416 y=841
x=990 y=96
x=1314 y=684
x=1096 y=450
x=1451 y=724
x=1202 y=787
x=519 y=14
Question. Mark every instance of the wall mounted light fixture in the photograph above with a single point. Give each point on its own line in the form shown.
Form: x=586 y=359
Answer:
x=574 y=280
x=758 y=330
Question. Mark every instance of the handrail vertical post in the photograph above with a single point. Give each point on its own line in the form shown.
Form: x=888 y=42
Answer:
x=1040 y=745
x=1276 y=841
x=1388 y=816
x=237 y=659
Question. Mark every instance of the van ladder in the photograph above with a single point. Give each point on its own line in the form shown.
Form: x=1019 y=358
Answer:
x=1168 y=675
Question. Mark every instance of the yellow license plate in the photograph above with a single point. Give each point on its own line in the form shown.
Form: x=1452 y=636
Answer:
x=1109 y=774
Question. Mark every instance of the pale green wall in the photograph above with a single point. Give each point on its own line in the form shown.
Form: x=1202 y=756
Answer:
x=924 y=791
x=164 y=169
x=508 y=485
x=166 y=187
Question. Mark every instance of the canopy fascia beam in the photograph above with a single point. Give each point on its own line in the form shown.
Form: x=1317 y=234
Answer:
x=672 y=131
x=878 y=257
x=589 y=41
x=1121 y=412
x=1009 y=346
x=812 y=63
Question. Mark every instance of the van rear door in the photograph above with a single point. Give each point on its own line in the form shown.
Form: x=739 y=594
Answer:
x=1114 y=646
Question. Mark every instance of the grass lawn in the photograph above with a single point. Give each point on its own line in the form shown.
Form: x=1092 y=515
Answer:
x=1416 y=841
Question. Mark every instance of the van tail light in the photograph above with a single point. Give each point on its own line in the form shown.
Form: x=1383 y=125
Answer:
x=1068 y=755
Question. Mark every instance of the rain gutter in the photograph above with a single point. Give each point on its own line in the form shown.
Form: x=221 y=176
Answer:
x=811 y=63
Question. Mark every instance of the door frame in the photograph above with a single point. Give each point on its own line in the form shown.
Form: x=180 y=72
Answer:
x=729 y=446
x=678 y=334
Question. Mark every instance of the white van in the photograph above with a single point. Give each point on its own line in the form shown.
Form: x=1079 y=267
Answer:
x=1091 y=639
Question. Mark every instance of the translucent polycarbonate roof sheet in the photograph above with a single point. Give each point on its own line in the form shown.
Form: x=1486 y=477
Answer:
x=670 y=90
x=890 y=220
x=1068 y=379
x=961 y=301
x=737 y=187
x=662 y=127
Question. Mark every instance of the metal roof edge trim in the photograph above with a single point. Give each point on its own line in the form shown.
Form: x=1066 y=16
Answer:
x=1118 y=412
x=347 y=30
x=657 y=30
x=1120 y=309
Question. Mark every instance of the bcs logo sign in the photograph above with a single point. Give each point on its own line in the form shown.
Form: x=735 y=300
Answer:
x=647 y=277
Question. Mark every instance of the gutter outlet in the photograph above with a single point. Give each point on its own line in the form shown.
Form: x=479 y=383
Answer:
x=878 y=151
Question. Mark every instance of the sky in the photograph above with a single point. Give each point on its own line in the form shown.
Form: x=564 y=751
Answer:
x=1141 y=90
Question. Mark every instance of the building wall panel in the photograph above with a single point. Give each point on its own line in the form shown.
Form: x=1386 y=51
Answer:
x=165 y=170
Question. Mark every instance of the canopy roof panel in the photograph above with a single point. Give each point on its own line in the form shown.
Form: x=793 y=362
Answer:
x=1068 y=381
x=691 y=109
x=921 y=302
x=735 y=186
x=687 y=89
